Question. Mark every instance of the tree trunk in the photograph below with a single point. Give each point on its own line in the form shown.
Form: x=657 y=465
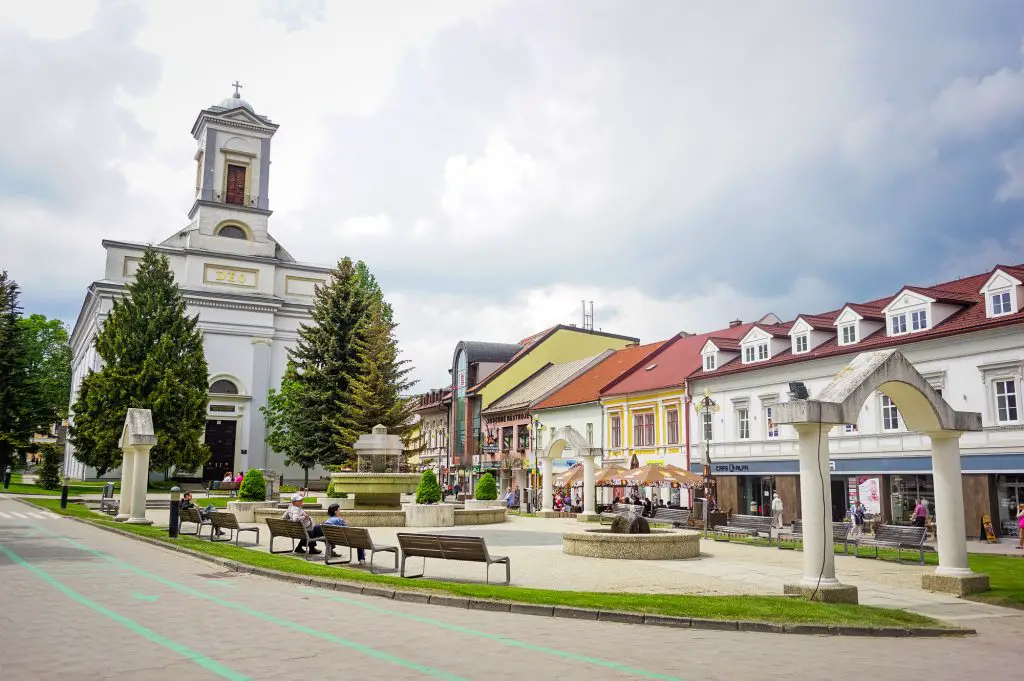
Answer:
x=305 y=485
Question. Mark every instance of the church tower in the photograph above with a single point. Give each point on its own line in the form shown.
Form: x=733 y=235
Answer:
x=232 y=205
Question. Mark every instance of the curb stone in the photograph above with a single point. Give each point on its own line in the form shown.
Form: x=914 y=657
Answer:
x=529 y=608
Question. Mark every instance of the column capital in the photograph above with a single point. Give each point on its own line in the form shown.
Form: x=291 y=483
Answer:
x=944 y=434
x=813 y=427
x=263 y=341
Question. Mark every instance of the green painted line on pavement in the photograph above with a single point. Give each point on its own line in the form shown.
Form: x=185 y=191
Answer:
x=326 y=636
x=128 y=623
x=144 y=597
x=505 y=640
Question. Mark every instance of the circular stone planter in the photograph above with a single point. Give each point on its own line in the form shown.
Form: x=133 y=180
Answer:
x=245 y=511
x=658 y=545
x=429 y=515
x=481 y=504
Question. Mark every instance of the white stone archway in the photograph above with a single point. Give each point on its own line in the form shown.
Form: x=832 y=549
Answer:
x=564 y=438
x=923 y=410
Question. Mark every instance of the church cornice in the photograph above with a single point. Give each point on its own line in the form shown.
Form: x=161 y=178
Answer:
x=253 y=124
x=182 y=250
x=228 y=206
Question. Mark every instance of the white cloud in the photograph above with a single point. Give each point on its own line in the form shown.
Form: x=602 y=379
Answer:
x=1012 y=162
x=370 y=226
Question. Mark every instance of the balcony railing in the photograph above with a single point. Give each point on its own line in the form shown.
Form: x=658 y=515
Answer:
x=232 y=199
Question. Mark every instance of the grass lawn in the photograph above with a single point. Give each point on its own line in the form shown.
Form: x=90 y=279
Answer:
x=74 y=489
x=775 y=609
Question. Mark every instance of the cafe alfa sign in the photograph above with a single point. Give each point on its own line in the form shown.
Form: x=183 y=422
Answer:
x=230 y=276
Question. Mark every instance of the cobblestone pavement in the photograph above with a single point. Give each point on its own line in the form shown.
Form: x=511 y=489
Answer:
x=81 y=603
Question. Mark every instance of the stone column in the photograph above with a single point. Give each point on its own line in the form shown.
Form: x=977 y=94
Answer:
x=548 y=492
x=262 y=349
x=953 y=574
x=124 y=511
x=819 y=579
x=140 y=484
x=589 y=491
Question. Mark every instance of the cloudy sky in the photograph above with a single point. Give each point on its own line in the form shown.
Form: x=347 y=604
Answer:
x=496 y=162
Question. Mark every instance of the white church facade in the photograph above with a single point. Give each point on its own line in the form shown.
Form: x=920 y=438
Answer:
x=251 y=296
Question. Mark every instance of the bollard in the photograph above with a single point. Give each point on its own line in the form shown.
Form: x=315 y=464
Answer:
x=7 y=477
x=64 y=493
x=172 y=523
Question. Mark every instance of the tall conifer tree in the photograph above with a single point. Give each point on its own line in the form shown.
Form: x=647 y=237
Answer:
x=153 y=359
x=16 y=394
x=327 y=359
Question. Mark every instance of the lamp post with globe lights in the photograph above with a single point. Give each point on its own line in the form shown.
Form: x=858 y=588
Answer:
x=706 y=407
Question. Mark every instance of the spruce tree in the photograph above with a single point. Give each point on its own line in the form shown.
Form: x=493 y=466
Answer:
x=18 y=396
x=49 y=472
x=377 y=392
x=153 y=359
x=327 y=360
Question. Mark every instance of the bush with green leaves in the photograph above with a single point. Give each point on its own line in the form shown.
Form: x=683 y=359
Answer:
x=254 y=486
x=49 y=472
x=428 y=492
x=486 y=488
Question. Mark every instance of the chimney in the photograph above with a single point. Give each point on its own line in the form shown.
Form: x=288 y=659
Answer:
x=734 y=323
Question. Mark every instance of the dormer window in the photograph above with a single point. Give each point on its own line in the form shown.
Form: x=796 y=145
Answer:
x=848 y=334
x=919 y=320
x=709 y=362
x=800 y=344
x=898 y=324
x=1001 y=303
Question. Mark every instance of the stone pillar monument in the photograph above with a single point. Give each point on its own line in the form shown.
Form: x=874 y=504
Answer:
x=137 y=438
x=548 y=493
x=589 y=490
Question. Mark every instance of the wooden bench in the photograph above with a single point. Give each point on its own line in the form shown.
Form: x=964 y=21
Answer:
x=840 y=534
x=449 y=547
x=618 y=509
x=220 y=486
x=222 y=520
x=292 y=530
x=744 y=526
x=353 y=538
x=894 y=536
x=670 y=516
x=191 y=515
x=108 y=504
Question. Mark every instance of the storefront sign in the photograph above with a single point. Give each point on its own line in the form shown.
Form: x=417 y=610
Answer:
x=731 y=468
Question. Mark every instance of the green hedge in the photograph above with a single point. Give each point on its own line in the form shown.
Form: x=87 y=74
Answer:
x=486 y=488
x=428 y=492
x=254 y=486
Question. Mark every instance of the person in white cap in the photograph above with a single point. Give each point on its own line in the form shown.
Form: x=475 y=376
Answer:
x=297 y=514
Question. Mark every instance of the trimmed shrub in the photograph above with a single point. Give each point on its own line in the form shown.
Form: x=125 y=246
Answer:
x=49 y=472
x=335 y=495
x=486 y=488
x=428 y=492
x=254 y=486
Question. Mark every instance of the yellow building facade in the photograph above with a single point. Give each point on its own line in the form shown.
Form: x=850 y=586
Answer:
x=650 y=425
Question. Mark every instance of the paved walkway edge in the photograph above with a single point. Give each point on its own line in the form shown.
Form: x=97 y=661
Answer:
x=419 y=596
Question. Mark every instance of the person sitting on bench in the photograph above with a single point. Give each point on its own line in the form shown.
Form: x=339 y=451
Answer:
x=334 y=519
x=297 y=514
x=204 y=513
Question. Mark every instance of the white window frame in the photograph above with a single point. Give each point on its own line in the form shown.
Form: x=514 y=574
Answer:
x=707 y=426
x=850 y=428
x=919 y=320
x=770 y=433
x=743 y=423
x=763 y=352
x=590 y=433
x=889 y=412
x=852 y=329
x=709 y=362
x=1013 y=395
x=802 y=340
x=901 y=318
x=748 y=354
x=615 y=442
x=1004 y=295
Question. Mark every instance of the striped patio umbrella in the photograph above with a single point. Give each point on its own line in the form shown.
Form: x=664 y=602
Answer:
x=571 y=477
x=611 y=474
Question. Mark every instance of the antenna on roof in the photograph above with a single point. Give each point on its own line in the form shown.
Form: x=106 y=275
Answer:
x=588 y=317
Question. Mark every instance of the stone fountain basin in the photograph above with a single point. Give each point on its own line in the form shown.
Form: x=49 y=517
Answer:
x=658 y=545
x=375 y=483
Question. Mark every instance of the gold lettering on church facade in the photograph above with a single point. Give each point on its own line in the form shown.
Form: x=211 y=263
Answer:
x=231 y=276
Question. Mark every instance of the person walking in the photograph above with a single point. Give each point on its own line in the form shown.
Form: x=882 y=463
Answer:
x=859 y=512
x=1020 y=526
x=776 y=511
x=920 y=514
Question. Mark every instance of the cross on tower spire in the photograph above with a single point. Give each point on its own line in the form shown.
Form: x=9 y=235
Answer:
x=236 y=85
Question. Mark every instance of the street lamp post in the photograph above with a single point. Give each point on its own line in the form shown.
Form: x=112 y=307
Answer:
x=706 y=407
x=536 y=471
